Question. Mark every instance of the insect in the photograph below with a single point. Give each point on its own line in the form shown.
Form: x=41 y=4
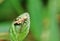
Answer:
x=20 y=20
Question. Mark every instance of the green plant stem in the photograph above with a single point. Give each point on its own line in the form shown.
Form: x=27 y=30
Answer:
x=35 y=9
x=52 y=11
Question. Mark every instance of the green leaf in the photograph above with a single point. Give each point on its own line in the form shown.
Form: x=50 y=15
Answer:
x=18 y=34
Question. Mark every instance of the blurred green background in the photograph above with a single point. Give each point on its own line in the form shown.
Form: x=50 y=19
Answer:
x=43 y=18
